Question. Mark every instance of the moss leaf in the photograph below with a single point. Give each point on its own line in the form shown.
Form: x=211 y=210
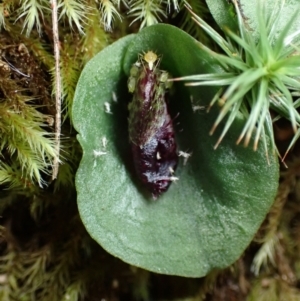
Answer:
x=207 y=218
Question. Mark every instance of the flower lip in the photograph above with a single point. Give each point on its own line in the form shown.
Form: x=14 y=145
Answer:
x=150 y=58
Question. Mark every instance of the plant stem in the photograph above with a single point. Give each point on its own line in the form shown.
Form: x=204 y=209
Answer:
x=57 y=88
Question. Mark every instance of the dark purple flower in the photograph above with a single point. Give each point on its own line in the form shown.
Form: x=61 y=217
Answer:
x=151 y=130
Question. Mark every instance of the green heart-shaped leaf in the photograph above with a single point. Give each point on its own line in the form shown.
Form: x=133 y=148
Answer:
x=207 y=218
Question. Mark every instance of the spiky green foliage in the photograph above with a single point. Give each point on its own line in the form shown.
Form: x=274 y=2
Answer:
x=70 y=70
x=25 y=141
x=26 y=144
x=12 y=176
x=33 y=13
x=149 y=12
x=260 y=74
x=109 y=13
x=75 y=11
x=279 y=253
x=265 y=255
x=188 y=24
x=269 y=238
x=51 y=271
x=27 y=159
x=5 y=9
x=95 y=38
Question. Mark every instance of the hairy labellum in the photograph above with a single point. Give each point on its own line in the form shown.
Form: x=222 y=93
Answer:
x=151 y=131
